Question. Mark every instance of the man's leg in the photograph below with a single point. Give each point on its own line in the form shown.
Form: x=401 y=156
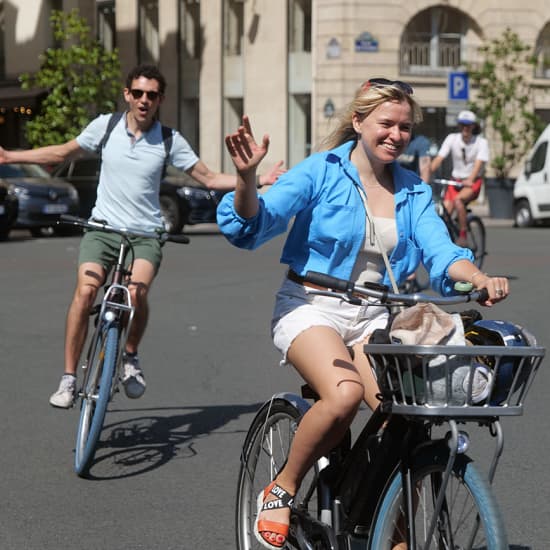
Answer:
x=465 y=196
x=90 y=277
x=143 y=273
x=449 y=199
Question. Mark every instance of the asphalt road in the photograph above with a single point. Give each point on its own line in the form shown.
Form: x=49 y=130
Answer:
x=165 y=473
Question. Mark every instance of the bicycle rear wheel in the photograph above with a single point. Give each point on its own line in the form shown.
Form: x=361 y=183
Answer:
x=469 y=518
x=476 y=239
x=96 y=394
x=264 y=454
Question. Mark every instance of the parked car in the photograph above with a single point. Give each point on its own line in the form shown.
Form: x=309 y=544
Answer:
x=41 y=198
x=183 y=201
x=532 y=187
x=9 y=206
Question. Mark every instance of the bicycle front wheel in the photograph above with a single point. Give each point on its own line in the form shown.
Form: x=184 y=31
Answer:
x=469 y=518
x=476 y=239
x=95 y=397
x=264 y=454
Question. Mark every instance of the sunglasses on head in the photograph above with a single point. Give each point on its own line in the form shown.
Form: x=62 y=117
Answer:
x=136 y=94
x=382 y=82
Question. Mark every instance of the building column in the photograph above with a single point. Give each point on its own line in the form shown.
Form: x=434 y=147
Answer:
x=265 y=52
x=169 y=60
x=211 y=89
x=127 y=35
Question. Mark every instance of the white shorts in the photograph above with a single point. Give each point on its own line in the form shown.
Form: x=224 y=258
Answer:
x=296 y=310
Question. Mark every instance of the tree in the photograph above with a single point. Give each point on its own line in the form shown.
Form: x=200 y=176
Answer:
x=505 y=99
x=82 y=79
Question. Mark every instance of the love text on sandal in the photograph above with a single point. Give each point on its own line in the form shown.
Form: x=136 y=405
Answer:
x=272 y=534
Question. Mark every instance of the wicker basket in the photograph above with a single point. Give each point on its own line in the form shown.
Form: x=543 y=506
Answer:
x=457 y=381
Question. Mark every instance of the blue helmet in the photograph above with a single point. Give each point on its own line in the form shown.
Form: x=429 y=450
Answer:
x=501 y=333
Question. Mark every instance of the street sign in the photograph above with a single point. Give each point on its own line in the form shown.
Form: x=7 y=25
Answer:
x=458 y=86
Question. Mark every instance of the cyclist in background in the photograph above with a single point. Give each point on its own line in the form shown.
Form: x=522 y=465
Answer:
x=469 y=153
x=333 y=232
x=132 y=164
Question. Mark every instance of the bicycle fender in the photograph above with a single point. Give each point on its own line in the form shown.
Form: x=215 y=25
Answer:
x=295 y=400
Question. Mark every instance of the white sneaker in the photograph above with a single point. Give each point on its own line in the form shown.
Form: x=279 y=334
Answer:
x=64 y=396
x=132 y=377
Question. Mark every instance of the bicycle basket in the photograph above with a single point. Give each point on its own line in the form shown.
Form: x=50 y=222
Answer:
x=452 y=380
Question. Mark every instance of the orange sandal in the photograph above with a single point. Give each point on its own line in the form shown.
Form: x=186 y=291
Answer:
x=261 y=526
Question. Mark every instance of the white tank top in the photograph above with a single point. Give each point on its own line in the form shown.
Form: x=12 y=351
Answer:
x=370 y=266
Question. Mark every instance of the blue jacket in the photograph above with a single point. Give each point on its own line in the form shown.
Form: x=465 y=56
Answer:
x=329 y=227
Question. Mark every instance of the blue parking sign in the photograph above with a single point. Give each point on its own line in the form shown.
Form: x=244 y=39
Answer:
x=458 y=86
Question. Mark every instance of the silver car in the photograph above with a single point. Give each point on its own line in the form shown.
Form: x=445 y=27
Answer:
x=42 y=198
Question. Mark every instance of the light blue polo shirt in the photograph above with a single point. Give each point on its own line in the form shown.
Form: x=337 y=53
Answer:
x=131 y=172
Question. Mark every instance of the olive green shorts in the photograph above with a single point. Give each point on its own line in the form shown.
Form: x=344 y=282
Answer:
x=102 y=248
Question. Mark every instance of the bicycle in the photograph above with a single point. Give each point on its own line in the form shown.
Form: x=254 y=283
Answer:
x=401 y=481
x=476 y=234
x=112 y=319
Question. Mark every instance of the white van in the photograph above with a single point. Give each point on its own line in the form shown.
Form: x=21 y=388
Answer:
x=532 y=187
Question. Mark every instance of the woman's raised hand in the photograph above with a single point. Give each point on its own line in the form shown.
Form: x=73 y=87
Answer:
x=245 y=153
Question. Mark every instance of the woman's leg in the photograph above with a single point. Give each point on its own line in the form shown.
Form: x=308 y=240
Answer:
x=322 y=359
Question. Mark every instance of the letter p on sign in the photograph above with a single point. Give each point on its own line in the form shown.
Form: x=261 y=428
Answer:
x=458 y=86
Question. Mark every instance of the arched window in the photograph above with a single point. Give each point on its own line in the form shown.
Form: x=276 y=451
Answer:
x=438 y=39
x=542 y=51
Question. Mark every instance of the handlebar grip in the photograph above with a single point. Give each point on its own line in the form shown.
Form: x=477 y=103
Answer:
x=322 y=279
x=483 y=295
x=68 y=218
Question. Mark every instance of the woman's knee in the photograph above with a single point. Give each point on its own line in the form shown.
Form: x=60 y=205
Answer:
x=345 y=399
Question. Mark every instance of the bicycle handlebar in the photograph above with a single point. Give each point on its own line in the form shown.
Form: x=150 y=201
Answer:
x=381 y=292
x=162 y=236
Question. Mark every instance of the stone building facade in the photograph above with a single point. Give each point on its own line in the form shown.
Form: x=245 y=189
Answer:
x=289 y=64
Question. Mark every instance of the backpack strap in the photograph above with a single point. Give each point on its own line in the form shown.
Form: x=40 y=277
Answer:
x=113 y=121
x=167 y=138
x=167 y=141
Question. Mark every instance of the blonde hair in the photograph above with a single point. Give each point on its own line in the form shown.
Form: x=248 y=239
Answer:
x=366 y=99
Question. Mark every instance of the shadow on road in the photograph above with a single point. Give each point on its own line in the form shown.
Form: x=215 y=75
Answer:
x=141 y=444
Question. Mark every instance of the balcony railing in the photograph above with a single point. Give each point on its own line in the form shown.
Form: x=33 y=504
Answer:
x=424 y=54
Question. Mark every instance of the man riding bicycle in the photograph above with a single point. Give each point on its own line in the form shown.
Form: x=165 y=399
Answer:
x=469 y=152
x=133 y=159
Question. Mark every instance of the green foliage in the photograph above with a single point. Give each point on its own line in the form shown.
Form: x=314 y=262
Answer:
x=505 y=99
x=82 y=79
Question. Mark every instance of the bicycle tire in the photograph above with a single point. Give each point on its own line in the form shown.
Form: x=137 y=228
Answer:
x=468 y=497
x=264 y=454
x=476 y=239
x=96 y=396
